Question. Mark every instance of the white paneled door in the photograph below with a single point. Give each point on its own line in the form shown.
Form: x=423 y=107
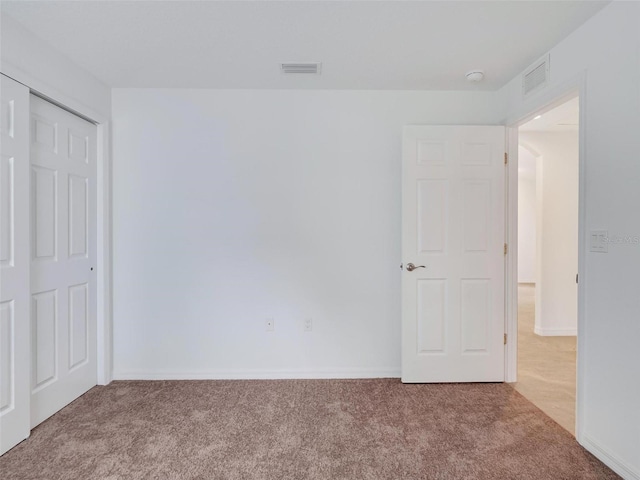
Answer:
x=63 y=258
x=14 y=263
x=453 y=234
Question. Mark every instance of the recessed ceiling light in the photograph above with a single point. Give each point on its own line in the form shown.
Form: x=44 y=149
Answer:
x=537 y=117
x=475 y=76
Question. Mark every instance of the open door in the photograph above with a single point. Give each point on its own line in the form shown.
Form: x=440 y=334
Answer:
x=14 y=264
x=453 y=249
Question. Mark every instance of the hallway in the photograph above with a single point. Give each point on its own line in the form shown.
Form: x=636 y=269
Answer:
x=546 y=365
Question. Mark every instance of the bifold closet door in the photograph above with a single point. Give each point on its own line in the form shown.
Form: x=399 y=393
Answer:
x=63 y=255
x=14 y=263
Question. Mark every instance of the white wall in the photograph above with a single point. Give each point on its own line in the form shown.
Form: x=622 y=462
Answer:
x=607 y=47
x=557 y=241
x=526 y=216
x=30 y=60
x=234 y=206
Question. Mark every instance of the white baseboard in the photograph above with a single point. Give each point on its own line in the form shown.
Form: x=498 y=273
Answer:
x=258 y=374
x=555 y=332
x=610 y=460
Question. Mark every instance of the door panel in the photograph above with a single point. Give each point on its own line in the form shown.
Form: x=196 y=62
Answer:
x=63 y=285
x=44 y=183
x=7 y=327
x=432 y=215
x=14 y=263
x=44 y=311
x=432 y=307
x=78 y=325
x=78 y=213
x=453 y=230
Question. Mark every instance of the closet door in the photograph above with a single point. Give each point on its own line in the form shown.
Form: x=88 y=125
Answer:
x=63 y=255
x=14 y=263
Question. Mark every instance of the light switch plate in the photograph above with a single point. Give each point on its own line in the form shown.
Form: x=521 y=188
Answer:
x=599 y=241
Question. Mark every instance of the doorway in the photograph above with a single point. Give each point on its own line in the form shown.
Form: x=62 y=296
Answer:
x=548 y=232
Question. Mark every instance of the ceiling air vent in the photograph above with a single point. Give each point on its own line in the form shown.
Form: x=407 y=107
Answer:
x=536 y=77
x=313 y=68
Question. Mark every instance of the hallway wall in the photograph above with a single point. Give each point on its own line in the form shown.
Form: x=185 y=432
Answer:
x=526 y=216
x=557 y=172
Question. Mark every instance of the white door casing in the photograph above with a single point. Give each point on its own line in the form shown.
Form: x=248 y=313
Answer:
x=453 y=224
x=14 y=263
x=63 y=258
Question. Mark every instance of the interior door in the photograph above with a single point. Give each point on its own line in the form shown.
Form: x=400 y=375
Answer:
x=14 y=263
x=63 y=255
x=453 y=234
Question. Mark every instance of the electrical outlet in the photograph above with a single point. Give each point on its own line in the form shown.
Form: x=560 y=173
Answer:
x=308 y=324
x=270 y=324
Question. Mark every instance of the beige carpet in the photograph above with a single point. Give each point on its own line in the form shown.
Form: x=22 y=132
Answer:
x=546 y=365
x=300 y=429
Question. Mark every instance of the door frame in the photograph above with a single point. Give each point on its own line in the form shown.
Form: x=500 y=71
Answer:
x=540 y=104
x=104 y=300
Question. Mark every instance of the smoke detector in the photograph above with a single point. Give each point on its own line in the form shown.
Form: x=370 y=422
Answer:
x=475 y=76
x=300 y=67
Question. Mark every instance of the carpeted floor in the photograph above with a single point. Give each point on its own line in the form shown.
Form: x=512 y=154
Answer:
x=300 y=429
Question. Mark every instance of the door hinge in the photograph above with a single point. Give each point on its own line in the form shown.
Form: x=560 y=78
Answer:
x=506 y=158
x=506 y=249
x=505 y=338
x=576 y=278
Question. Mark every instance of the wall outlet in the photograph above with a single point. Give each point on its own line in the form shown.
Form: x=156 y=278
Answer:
x=308 y=324
x=270 y=324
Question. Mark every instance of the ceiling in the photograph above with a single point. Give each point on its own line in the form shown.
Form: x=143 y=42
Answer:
x=421 y=45
x=563 y=118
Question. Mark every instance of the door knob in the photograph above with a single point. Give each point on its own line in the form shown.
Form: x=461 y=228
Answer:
x=411 y=267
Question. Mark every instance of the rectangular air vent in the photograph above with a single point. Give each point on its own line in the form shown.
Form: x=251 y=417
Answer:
x=313 y=68
x=536 y=77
